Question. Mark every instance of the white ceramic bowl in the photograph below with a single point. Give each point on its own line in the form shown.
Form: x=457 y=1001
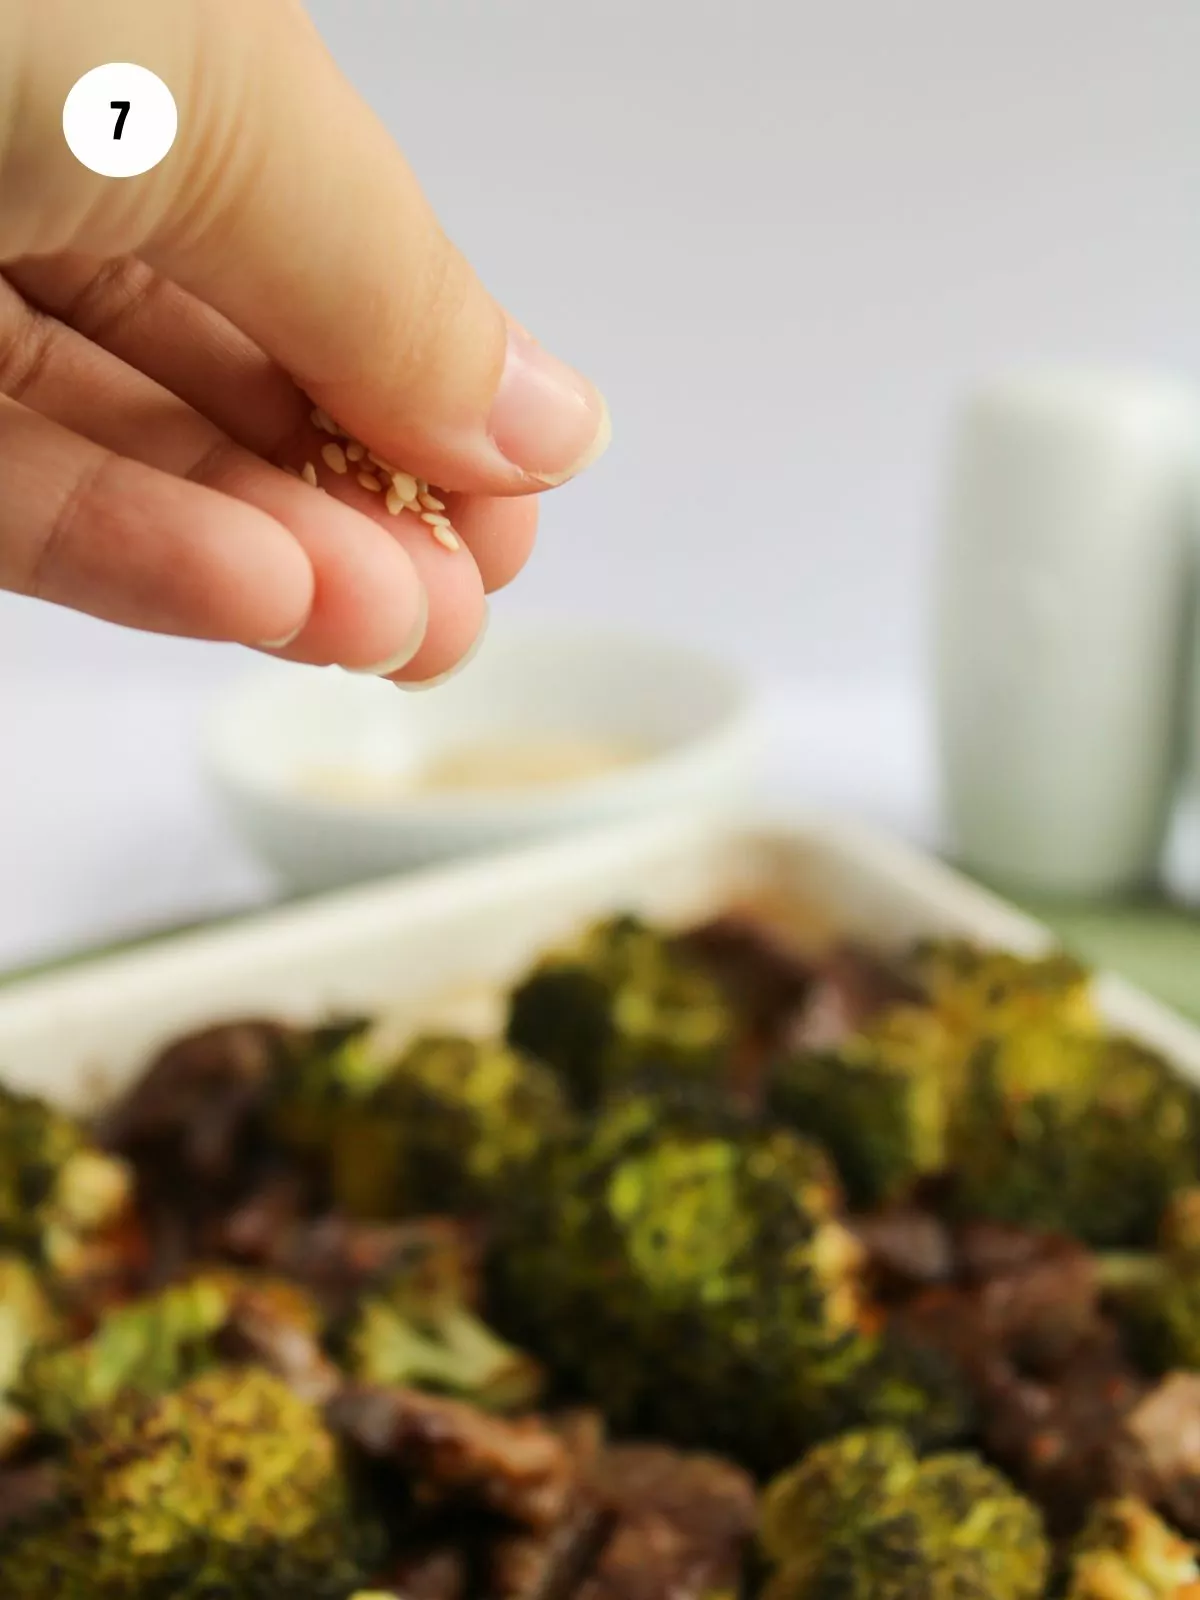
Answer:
x=693 y=718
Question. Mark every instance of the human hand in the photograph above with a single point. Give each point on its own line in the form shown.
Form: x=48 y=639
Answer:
x=165 y=338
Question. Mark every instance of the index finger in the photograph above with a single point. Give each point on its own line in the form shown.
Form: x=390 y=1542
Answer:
x=286 y=205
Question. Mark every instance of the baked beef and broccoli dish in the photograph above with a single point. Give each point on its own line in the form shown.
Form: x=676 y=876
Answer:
x=722 y=1271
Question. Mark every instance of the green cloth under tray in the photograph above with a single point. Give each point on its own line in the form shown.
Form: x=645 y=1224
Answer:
x=1155 y=945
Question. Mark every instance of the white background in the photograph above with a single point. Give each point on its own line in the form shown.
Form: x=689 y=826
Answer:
x=781 y=235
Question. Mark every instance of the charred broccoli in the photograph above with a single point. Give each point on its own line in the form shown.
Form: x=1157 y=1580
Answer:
x=1088 y=1135
x=27 y=1323
x=454 y=1126
x=229 y=1486
x=878 y=1104
x=624 y=1000
x=416 y=1328
x=1126 y=1552
x=1176 y=1295
x=58 y=1192
x=147 y=1347
x=994 y=992
x=319 y=1077
x=683 y=1243
x=861 y=1517
x=1157 y=1294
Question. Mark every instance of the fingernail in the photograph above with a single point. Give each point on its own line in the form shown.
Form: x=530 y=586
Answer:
x=282 y=644
x=408 y=650
x=459 y=666
x=547 y=419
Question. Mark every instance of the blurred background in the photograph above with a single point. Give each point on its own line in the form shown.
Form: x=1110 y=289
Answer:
x=782 y=236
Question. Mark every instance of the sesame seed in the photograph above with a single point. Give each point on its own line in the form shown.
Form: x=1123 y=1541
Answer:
x=309 y=474
x=385 y=467
x=405 y=486
x=334 y=457
x=322 y=419
x=435 y=519
x=355 y=451
x=370 y=481
x=446 y=535
x=394 y=503
x=431 y=502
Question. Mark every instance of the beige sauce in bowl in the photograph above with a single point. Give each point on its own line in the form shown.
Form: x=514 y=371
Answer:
x=493 y=767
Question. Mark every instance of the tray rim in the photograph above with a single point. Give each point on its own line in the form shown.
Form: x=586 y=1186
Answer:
x=28 y=1003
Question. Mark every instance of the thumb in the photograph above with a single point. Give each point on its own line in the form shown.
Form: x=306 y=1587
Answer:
x=286 y=206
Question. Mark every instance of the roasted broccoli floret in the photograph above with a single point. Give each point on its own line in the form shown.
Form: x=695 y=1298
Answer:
x=862 y=1517
x=623 y=1001
x=58 y=1192
x=881 y=1100
x=692 y=1276
x=878 y=1104
x=27 y=1321
x=417 y=1328
x=679 y=1257
x=1157 y=1293
x=229 y=1486
x=1126 y=1552
x=994 y=992
x=1061 y=1130
x=323 y=1075
x=454 y=1126
x=1174 y=1299
x=149 y=1346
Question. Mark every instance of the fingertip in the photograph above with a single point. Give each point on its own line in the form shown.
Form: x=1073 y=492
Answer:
x=265 y=584
x=454 y=651
x=369 y=609
x=499 y=533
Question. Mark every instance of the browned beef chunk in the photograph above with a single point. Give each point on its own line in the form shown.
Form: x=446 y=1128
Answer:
x=337 y=1259
x=1157 y=1452
x=518 y=1468
x=764 y=978
x=1039 y=1296
x=192 y=1106
x=1052 y=1381
x=437 y=1574
x=907 y=1249
x=26 y=1490
x=852 y=987
x=271 y=1325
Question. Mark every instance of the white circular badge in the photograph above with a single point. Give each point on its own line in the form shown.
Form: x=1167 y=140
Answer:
x=120 y=120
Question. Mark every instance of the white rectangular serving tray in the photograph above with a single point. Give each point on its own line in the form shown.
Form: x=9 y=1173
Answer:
x=438 y=947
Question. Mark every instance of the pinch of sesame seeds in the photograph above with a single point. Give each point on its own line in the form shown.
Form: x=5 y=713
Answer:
x=394 y=503
x=430 y=502
x=309 y=474
x=445 y=535
x=435 y=519
x=370 y=481
x=355 y=451
x=334 y=458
